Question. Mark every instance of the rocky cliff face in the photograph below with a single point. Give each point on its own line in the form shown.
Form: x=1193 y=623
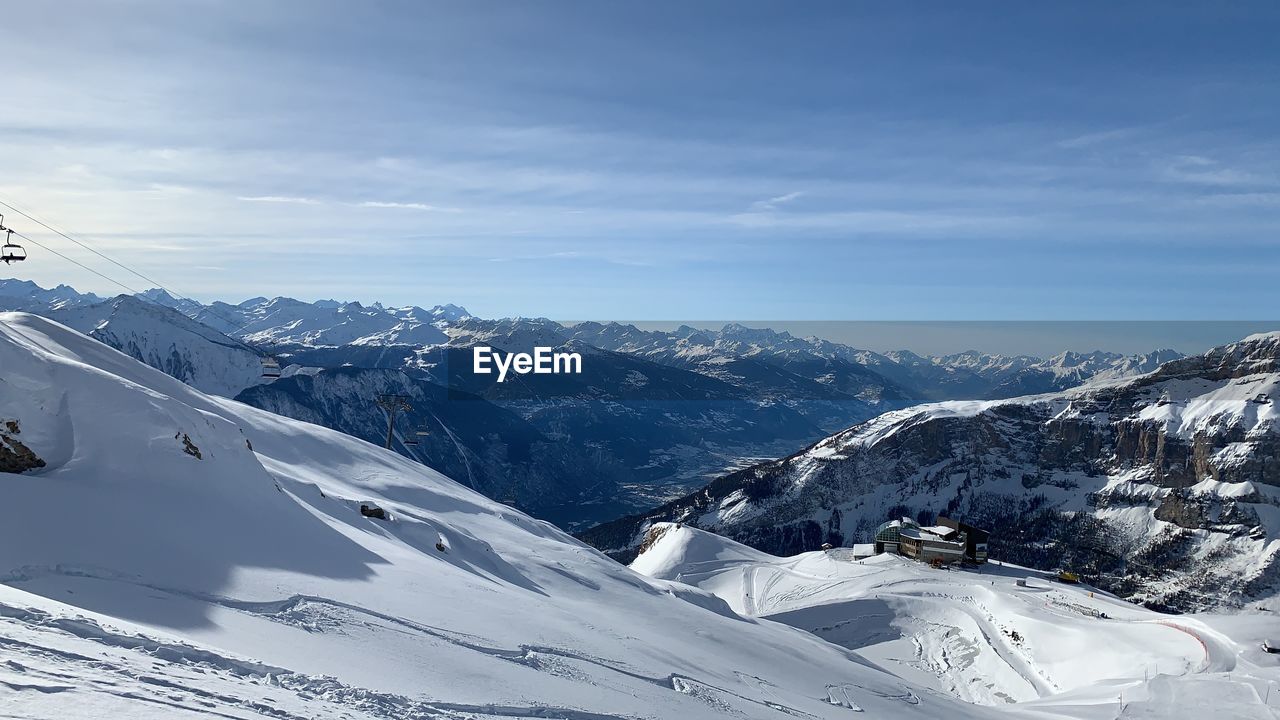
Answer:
x=1164 y=488
x=490 y=449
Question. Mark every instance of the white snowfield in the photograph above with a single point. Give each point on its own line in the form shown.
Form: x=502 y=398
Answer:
x=186 y=556
x=1046 y=649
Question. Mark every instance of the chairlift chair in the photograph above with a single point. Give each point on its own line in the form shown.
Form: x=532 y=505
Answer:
x=11 y=252
x=270 y=368
x=420 y=432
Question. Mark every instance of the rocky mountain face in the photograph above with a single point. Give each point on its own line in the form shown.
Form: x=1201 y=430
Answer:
x=488 y=448
x=1164 y=488
x=673 y=429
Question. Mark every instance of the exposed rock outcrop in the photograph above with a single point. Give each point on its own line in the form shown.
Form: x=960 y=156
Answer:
x=15 y=457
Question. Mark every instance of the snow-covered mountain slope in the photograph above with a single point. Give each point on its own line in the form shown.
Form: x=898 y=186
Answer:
x=979 y=635
x=932 y=378
x=26 y=296
x=174 y=554
x=1069 y=369
x=510 y=334
x=168 y=341
x=1165 y=487
x=285 y=320
x=158 y=296
x=986 y=365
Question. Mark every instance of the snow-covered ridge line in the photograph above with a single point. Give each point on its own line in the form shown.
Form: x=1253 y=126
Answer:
x=898 y=377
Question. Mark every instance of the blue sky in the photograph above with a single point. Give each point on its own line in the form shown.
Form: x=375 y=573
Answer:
x=659 y=161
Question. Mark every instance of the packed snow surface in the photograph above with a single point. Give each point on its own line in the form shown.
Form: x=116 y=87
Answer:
x=182 y=555
x=996 y=636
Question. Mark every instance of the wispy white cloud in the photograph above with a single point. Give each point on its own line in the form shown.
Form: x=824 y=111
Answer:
x=1247 y=199
x=1096 y=138
x=1201 y=170
x=774 y=203
x=280 y=199
x=573 y=255
x=406 y=206
x=904 y=223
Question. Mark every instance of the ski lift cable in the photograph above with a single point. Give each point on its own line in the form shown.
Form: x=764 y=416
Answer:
x=156 y=283
x=88 y=247
x=73 y=261
x=81 y=265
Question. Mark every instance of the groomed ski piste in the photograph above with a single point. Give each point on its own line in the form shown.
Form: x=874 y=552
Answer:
x=170 y=554
x=999 y=636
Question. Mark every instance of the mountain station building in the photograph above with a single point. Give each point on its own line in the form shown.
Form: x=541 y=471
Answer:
x=949 y=542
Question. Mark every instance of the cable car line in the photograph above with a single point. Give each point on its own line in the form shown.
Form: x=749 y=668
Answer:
x=75 y=262
x=270 y=366
x=86 y=246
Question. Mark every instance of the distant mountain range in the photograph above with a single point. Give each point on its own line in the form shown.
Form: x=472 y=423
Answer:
x=654 y=415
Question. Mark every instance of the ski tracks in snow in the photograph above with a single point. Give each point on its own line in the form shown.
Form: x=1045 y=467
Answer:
x=46 y=654
x=177 y=673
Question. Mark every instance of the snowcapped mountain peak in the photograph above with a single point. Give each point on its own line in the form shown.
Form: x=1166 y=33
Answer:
x=168 y=340
x=1264 y=337
x=742 y=333
x=26 y=295
x=449 y=313
x=157 y=296
x=1258 y=353
x=511 y=334
x=906 y=357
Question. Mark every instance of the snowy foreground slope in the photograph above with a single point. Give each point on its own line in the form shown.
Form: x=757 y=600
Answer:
x=1045 y=647
x=168 y=554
